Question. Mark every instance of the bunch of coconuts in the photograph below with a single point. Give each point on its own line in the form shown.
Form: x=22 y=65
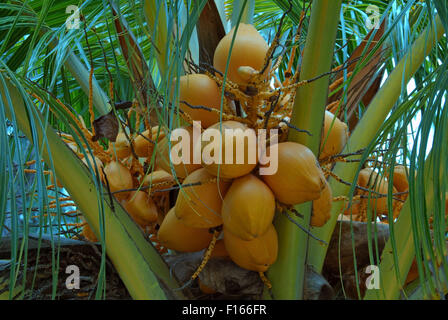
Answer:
x=230 y=196
x=234 y=195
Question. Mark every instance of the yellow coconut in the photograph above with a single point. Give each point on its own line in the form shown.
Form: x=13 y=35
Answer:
x=119 y=178
x=334 y=137
x=257 y=254
x=248 y=207
x=141 y=208
x=199 y=206
x=182 y=170
x=322 y=207
x=400 y=179
x=249 y=50
x=298 y=178
x=143 y=147
x=377 y=185
x=238 y=144
x=158 y=180
x=372 y=180
x=175 y=235
x=401 y=184
x=121 y=146
x=157 y=133
x=200 y=90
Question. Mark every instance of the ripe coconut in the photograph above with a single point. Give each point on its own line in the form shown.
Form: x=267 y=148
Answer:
x=199 y=206
x=163 y=161
x=257 y=254
x=249 y=50
x=175 y=235
x=157 y=133
x=322 y=207
x=237 y=139
x=371 y=180
x=200 y=90
x=248 y=208
x=121 y=146
x=298 y=178
x=400 y=179
x=334 y=137
x=401 y=184
x=119 y=178
x=141 y=208
x=143 y=147
x=157 y=177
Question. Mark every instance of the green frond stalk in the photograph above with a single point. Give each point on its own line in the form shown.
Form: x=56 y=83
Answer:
x=390 y=283
x=287 y=274
x=368 y=126
x=80 y=73
x=135 y=259
x=156 y=16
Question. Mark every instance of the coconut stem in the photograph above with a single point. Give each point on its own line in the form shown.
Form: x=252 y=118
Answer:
x=207 y=255
x=265 y=280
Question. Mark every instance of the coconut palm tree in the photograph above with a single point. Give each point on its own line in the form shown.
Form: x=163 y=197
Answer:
x=77 y=74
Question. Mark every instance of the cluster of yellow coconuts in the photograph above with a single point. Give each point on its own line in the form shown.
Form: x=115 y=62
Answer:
x=230 y=196
x=233 y=195
x=124 y=185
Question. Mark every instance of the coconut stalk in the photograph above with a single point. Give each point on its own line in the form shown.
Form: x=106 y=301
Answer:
x=135 y=259
x=288 y=273
x=367 y=128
